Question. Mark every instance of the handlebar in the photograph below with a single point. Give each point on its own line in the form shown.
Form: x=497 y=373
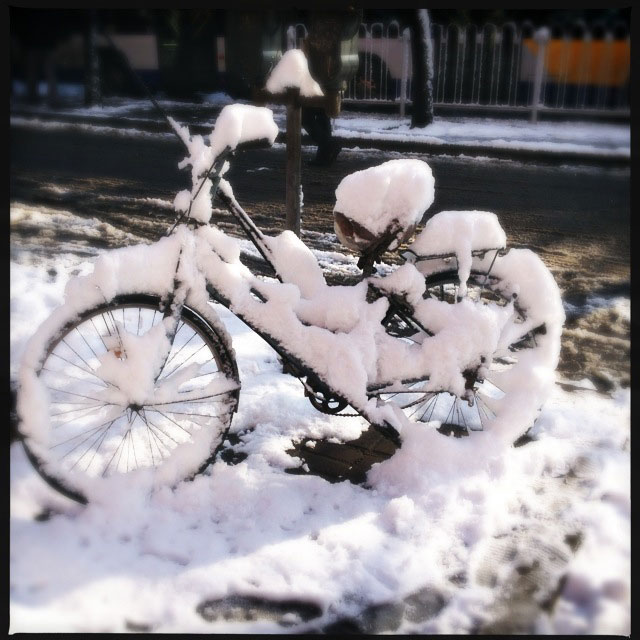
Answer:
x=258 y=143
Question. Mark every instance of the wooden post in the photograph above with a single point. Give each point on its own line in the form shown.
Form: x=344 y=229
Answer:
x=293 y=101
x=294 y=123
x=92 y=64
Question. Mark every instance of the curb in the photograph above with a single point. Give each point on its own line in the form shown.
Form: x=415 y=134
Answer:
x=501 y=153
x=382 y=144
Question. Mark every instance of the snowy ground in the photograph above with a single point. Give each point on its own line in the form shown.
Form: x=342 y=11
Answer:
x=605 y=139
x=595 y=138
x=538 y=540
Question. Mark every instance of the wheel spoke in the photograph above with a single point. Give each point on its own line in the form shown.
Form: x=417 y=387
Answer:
x=91 y=373
x=66 y=375
x=88 y=345
x=88 y=407
x=182 y=363
x=66 y=402
x=182 y=347
x=144 y=419
x=83 y=433
x=485 y=407
x=90 y=445
x=99 y=334
x=182 y=413
x=153 y=425
x=72 y=419
x=177 y=352
x=171 y=420
x=157 y=441
x=133 y=444
x=104 y=473
x=480 y=412
x=446 y=420
x=79 y=356
x=128 y=440
x=433 y=408
x=72 y=393
x=107 y=327
x=104 y=435
x=418 y=407
x=199 y=400
x=122 y=441
x=115 y=325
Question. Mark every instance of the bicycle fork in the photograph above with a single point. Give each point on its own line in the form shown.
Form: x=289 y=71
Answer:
x=171 y=307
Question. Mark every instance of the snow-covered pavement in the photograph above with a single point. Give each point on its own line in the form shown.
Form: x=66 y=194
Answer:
x=507 y=137
x=536 y=540
x=608 y=140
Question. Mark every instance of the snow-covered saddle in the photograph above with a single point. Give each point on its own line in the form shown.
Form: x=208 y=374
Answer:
x=379 y=208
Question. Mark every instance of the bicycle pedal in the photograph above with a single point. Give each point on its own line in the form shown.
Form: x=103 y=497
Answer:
x=454 y=430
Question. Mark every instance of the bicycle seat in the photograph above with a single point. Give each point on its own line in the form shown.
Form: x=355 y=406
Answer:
x=379 y=208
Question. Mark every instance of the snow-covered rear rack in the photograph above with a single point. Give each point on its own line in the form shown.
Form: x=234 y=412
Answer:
x=413 y=257
x=482 y=260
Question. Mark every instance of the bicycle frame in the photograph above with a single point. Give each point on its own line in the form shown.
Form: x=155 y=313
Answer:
x=325 y=396
x=322 y=395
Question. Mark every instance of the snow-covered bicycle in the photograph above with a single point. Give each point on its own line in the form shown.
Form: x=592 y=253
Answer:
x=135 y=375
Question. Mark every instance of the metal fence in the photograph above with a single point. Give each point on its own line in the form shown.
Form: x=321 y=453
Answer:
x=513 y=68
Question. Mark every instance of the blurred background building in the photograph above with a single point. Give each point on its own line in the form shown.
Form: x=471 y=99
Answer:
x=551 y=62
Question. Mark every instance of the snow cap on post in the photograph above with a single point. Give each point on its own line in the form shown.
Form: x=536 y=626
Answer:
x=292 y=72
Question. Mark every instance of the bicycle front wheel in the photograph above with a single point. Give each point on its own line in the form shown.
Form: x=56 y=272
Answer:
x=106 y=401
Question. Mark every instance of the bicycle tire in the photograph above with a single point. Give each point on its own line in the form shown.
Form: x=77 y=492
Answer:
x=69 y=357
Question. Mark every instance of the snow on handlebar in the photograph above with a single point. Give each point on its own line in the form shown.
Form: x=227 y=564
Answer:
x=238 y=126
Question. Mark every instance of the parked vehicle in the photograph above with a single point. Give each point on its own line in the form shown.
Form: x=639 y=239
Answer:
x=134 y=378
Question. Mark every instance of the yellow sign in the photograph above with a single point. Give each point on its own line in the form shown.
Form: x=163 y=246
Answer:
x=578 y=62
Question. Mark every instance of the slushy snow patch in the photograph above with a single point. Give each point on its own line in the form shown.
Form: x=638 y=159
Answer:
x=292 y=72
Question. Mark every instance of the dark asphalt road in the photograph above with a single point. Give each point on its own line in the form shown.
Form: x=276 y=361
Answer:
x=576 y=218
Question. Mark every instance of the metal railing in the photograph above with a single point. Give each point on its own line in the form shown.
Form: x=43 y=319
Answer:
x=296 y=33
x=512 y=68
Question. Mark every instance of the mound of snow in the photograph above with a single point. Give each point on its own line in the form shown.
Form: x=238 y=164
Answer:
x=446 y=231
x=394 y=193
x=292 y=72
x=238 y=123
x=460 y=233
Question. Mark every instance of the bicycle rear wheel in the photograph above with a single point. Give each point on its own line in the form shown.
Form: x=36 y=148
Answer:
x=102 y=403
x=456 y=416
